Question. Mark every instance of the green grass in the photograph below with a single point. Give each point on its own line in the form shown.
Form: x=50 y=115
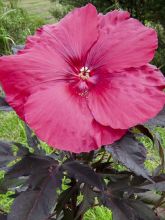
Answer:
x=51 y=12
x=98 y=213
x=37 y=7
x=12 y=128
x=6 y=201
x=15 y=25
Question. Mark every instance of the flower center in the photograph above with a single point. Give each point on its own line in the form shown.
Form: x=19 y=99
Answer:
x=84 y=73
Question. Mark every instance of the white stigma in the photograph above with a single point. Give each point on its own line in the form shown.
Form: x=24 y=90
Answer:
x=84 y=73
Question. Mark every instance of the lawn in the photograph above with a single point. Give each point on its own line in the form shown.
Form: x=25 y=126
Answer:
x=37 y=7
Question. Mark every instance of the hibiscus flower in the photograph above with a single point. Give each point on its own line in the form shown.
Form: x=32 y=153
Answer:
x=82 y=83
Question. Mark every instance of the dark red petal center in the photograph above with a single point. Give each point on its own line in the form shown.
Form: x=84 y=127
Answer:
x=80 y=84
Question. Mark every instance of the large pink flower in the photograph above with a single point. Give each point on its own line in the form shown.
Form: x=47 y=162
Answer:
x=83 y=82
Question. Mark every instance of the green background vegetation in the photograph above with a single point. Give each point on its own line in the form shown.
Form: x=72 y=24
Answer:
x=20 y=18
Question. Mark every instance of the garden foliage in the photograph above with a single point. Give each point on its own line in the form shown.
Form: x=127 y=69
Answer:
x=63 y=185
x=15 y=25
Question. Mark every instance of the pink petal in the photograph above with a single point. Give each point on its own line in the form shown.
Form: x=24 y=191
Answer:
x=51 y=55
x=64 y=121
x=72 y=37
x=106 y=135
x=128 y=97
x=41 y=34
x=111 y=19
x=122 y=44
x=23 y=74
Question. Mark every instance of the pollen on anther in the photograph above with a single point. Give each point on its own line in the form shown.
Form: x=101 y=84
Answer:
x=83 y=94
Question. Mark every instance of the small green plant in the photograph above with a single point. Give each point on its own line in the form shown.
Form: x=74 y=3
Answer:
x=98 y=213
x=58 y=11
x=15 y=25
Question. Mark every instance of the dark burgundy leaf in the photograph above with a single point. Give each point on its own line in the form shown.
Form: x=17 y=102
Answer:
x=11 y=184
x=159 y=186
x=161 y=150
x=3 y=216
x=22 y=205
x=125 y=187
x=28 y=172
x=130 y=153
x=102 y=166
x=55 y=217
x=149 y=197
x=36 y=178
x=5 y=147
x=123 y=209
x=88 y=201
x=159 y=120
x=4 y=106
x=64 y=198
x=143 y=211
x=122 y=186
x=22 y=150
x=31 y=138
x=33 y=141
x=6 y=154
x=86 y=156
x=68 y=215
x=84 y=174
x=145 y=131
x=38 y=204
x=29 y=165
x=113 y=178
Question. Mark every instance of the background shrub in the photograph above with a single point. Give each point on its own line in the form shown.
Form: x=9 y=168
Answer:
x=15 y=25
